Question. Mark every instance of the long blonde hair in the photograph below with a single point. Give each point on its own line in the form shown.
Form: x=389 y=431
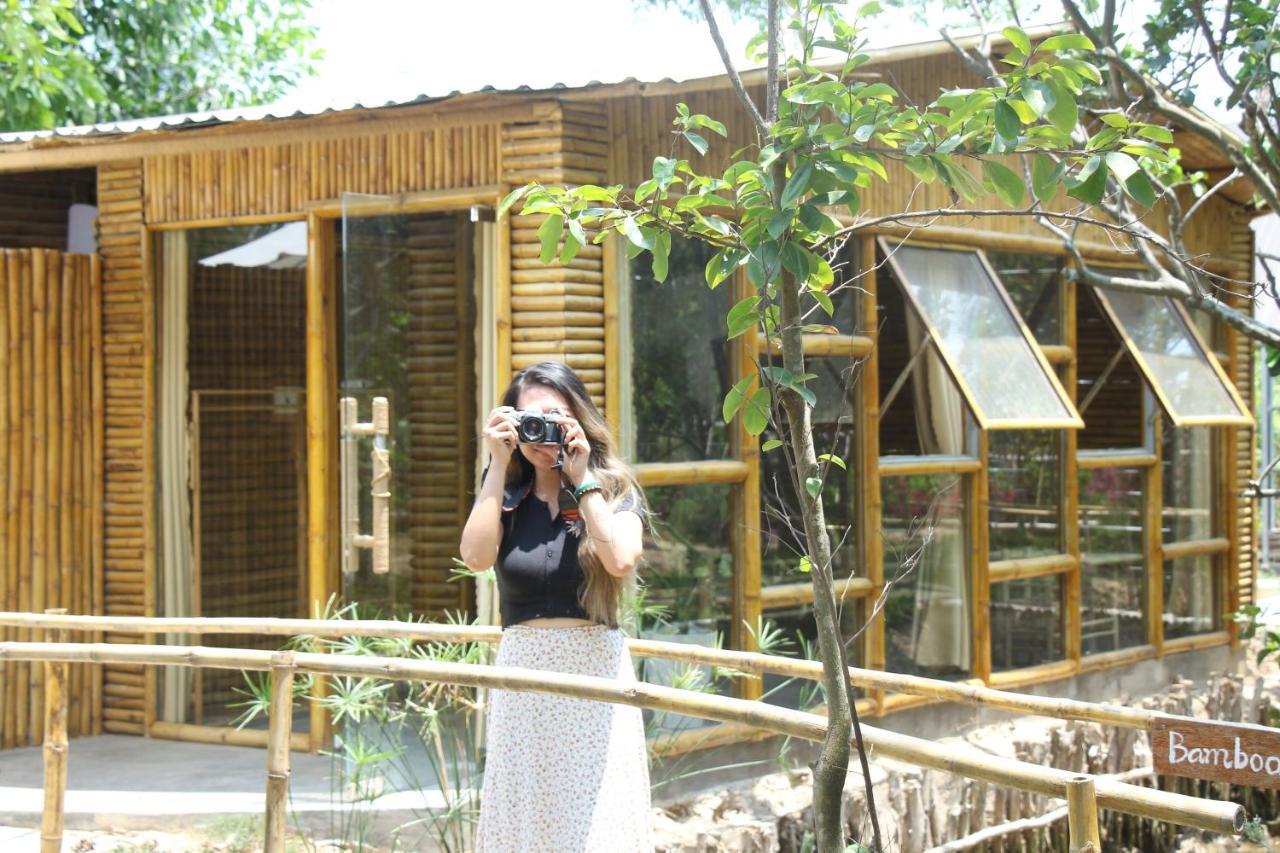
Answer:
x=601 y=592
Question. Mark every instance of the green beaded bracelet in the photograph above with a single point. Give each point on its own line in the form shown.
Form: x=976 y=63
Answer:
x=588 y=486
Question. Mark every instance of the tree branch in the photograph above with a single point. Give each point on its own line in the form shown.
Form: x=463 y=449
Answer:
x=736 y=81
x=775 y=83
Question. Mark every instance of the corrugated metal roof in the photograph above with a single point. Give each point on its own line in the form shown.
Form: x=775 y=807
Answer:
x=268 y=112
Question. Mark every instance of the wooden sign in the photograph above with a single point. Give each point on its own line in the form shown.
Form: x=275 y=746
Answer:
x=1238 y=753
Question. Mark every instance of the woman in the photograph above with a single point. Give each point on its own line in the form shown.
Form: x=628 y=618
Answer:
x=561 y=523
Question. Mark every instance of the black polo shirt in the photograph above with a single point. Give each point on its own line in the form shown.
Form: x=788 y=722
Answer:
x=538 y=571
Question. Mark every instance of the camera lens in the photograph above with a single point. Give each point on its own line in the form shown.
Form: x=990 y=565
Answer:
x=532 y=430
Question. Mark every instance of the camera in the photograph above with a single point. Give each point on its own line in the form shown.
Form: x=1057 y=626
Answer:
x=537 y=428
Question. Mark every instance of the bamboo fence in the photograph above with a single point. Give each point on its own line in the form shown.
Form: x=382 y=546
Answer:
x=963 y=760
x=750 y=662
x=50 y=467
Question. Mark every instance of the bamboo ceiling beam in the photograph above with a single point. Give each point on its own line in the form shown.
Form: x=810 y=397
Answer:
x=963 y=760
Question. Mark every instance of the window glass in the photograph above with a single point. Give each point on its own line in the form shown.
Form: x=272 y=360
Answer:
x=1000 y=372
x=1112 y=579
x=1188 y=476
x=921 y=410
x=1026 y=623
x=680 y=362
x=1034 y=283
x=1190 y=596
x=925 y=562
x=1025 y=493
x=1177 y=365
x=800 y=631
x=688 y=573
x=781 y=528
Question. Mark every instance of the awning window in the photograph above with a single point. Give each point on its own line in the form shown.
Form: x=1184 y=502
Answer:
x=1184 y=376
x=986 y=346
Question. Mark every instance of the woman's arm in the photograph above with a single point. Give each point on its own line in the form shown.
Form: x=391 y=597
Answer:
x=618 y=536
x=483 y=532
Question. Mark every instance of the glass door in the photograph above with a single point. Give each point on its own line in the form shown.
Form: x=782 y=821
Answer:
x=406 y=406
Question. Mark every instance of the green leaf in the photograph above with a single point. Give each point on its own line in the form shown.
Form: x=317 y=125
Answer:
x=1046 y=176
x=879 y=92
x=1063 y=114
x=742 y=316
x=1017 y=38
x=1066 y=41
x=813 y=486
x=806 y=566
x=797 y=184
x=512 y=197
x=549 y=235
x=1156 y=134
x=1089 y=183
x=834 y=460
x=1115 y=120
x=1139 y=188
x=1007 y=184
x=755 y=415
x=1038 y=96
x=696 y=140
x=771 y=444
x=571 y=246
x=639 y=237
x=661 y=253
x=736 y=397
x=1121 y=165
x=1007 y=123
x=922 y=168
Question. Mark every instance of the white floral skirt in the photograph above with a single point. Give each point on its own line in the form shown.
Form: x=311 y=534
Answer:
x=564 y=774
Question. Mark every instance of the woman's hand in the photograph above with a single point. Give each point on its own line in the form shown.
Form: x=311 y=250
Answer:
x=577 y=450
x=500 y=435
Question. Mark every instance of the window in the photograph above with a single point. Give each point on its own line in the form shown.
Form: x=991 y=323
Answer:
x=680 y=365
x=1026 y=623
x=1189 y=382
x=1025 y=493
x=801 y=631
x=999 y=369
x=1191 y=599
x=1188 y=477
x=1109 y=387
x=1113 y=565
x=926 y=614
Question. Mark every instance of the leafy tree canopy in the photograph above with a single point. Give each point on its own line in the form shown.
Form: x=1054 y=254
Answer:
x=84 y=61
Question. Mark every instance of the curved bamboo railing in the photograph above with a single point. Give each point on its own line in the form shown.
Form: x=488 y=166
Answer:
x=752 y=662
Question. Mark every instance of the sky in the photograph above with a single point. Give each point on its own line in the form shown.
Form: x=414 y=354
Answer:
x=392 y=49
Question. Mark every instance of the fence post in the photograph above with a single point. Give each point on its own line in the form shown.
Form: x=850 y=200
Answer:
x=55 y=746
x=279 y=731
x=1082 y=816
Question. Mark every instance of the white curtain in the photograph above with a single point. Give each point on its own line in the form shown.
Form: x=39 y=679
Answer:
x=940 y=625
x=176 y=557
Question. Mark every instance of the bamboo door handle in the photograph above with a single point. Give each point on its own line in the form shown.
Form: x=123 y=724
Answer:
x=379 y=542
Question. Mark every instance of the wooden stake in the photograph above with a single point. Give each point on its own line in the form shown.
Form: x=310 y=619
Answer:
x=280 y=726
x=1082 y=816
x=55 y=749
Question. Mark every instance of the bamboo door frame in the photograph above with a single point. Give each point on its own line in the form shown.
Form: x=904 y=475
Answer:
x=323 y=298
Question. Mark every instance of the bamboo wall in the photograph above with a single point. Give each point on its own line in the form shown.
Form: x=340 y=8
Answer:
x=50 y=469
x=442 y=415
x=285 y=178
x=558 y=312
x=129 y=426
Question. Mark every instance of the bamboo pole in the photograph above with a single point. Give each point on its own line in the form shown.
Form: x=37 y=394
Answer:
x=280 y=726
x=1082 y=816
x=963 y=760
x=55 y=749
x=965 y=693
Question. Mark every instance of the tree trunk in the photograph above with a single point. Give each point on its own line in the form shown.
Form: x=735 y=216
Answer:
x=832 y=767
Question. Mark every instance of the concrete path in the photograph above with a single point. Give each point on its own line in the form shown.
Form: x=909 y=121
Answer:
x=130 y=782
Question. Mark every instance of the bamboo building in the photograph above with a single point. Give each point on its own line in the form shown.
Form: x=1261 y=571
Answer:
x=198 y=312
